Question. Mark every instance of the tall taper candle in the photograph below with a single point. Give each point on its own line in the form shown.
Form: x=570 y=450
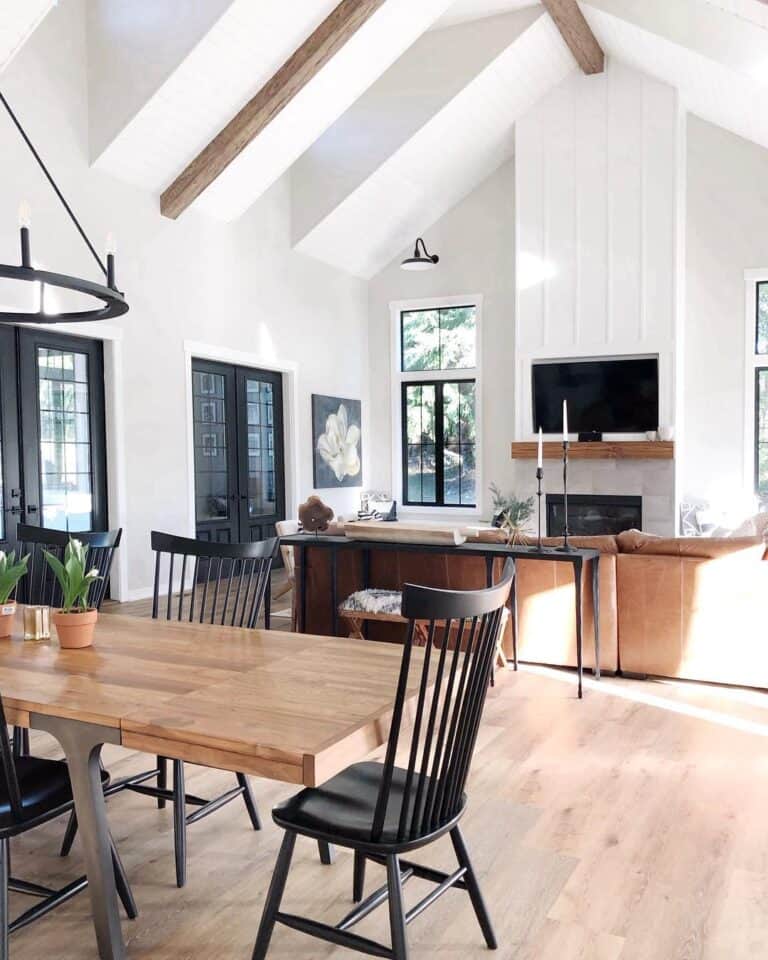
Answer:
x=565 y=420
x=540 y=461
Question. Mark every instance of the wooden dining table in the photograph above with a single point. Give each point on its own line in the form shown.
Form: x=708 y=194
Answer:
x=291 y=707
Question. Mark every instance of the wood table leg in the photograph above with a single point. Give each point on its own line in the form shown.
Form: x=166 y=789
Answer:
x=82 y=743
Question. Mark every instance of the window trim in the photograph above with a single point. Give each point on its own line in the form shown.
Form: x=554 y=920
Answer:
x=399 y=377
x=754 y=362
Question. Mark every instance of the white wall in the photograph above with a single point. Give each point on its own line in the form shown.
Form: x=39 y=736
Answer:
x=239 y=288
x=727 y=212
x=475 y=242
x=597 y=184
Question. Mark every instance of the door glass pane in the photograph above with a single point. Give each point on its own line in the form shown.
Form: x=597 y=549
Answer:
x=66 y=480
x=210 y=432
x=261 y=448
x=459 y=439
x=420 y=417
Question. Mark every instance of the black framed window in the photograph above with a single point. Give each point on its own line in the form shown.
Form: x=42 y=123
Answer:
x=761 y=431
x=437 y=373
x=439 y=443
x=443 y=338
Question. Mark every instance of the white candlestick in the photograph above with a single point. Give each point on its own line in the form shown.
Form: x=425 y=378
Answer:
x=565 y=420
x=540 y=462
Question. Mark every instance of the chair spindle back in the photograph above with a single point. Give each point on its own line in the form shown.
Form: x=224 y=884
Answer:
x=462 y=629
x=224 y=583
x=40 y=586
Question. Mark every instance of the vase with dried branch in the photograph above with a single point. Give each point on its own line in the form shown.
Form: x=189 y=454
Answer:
x=511 y=514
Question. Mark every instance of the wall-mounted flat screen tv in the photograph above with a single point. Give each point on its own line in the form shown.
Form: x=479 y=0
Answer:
x=618 y=395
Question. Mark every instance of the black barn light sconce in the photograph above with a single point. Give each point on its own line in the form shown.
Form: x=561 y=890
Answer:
x=421 y=260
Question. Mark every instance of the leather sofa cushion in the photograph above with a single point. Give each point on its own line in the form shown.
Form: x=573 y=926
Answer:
x=706 y=548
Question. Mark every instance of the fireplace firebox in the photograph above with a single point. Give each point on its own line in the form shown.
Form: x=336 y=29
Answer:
x=593 y=514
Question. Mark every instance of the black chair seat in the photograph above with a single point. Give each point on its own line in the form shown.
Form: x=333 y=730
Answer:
x=43 y=786
x=343 y=808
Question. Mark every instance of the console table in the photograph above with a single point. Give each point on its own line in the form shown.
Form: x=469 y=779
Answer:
x=577 y=557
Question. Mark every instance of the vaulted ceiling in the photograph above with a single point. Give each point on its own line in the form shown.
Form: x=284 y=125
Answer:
x=18 y=18
x=385 y=112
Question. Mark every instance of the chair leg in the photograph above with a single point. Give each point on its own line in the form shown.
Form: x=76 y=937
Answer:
x=274 y=897
x=327 y=853
x=250 y=802
x=4 y=874
x=162 y=779
x=396 y=910
x=473 y=888
x=358 y=882
x=179 y=823
x=121 y=883
x=69 y=835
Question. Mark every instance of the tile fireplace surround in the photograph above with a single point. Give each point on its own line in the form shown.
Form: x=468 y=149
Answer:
x=653 y=480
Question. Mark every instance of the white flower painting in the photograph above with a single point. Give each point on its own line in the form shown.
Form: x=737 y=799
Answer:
x=337 y=442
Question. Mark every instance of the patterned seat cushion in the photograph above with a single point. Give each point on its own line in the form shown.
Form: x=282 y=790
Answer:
x=374 y=601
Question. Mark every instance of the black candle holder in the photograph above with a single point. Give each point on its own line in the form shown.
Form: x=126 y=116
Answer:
x=566 y=547
x=539 y=478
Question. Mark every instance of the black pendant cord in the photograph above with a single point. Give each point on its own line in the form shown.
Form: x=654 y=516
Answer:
x=53 y=183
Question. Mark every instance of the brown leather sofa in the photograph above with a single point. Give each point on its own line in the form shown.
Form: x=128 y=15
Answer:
x=693 y=608
x=688 y=608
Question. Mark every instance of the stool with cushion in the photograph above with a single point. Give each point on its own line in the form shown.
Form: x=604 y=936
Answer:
x=381 y=810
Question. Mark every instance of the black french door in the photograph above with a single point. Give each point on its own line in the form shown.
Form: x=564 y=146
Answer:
x=239 y=459
x=52 y=442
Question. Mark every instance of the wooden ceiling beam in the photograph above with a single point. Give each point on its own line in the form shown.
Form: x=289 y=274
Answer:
x=577 y=34
x=274 y=96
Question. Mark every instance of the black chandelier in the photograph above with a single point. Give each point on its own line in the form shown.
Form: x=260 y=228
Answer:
x=99 y=301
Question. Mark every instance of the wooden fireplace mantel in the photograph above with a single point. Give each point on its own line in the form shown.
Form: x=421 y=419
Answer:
x=601 y=450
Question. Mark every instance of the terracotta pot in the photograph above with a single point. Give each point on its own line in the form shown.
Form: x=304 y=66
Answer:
x=7 y=616
x=75 y=630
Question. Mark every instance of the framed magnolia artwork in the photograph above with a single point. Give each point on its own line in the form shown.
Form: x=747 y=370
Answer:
x=336 y=439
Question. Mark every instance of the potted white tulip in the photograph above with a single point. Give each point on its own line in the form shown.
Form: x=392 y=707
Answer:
x=10 y=574
x=75 y=621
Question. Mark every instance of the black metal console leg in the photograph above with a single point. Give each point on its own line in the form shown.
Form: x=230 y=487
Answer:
x=396 y=910
x=4 y=873
x=596 y=611
x=473 y=888
x=179 y=823
x=327 y=853
x=162 y=780
x=250 y=802
x=358 y=883
x=579 y=626
x=274 y=897
x=69 y=835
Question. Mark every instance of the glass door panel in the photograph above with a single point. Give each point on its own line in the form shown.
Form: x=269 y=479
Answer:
x=214 y=426
x=238 y=437
x=65 y=440
x=62 y=419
